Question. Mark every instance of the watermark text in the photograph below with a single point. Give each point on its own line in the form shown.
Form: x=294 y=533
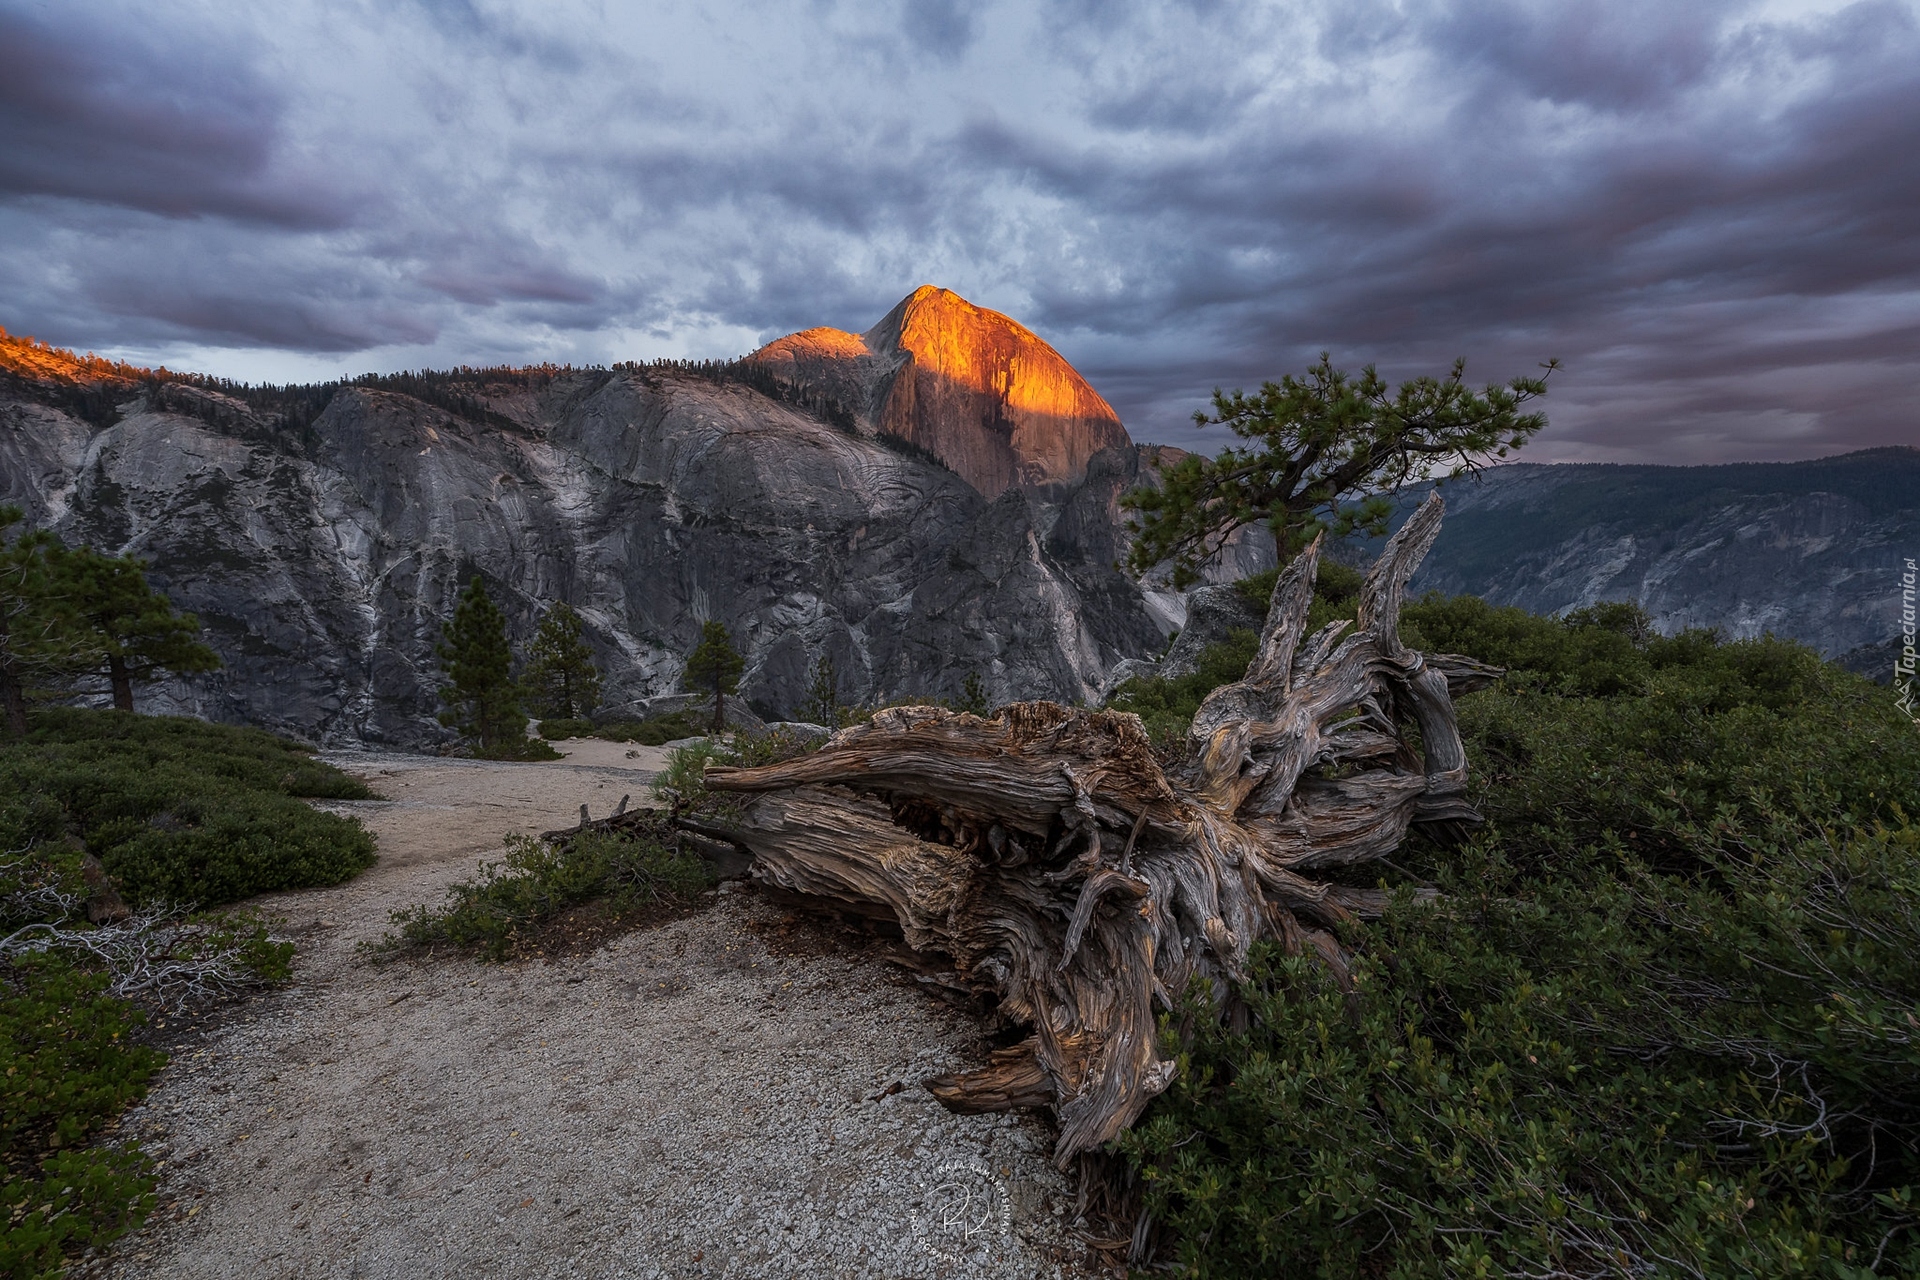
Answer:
x=1903 y=662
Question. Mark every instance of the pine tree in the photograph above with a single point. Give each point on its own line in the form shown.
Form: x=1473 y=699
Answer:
x=560 y=680
x=1325 y=451
x=715 y=664
x=482 y=701
x=39 y=641
x=973 y=695
x=823 y=695
x=133 y=630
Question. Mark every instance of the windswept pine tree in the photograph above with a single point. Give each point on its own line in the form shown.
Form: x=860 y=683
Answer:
x=1324 y=450
x=560 y=680
x=483 y=702
x=69 y=614
x=129 y=629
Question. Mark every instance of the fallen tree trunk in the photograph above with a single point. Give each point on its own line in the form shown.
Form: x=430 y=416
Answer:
x=1045 y=856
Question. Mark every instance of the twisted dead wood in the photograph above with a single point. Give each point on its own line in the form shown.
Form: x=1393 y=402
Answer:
x=1045 y=855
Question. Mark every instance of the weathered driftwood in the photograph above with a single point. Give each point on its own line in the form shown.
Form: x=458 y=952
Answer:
x=1045 y=857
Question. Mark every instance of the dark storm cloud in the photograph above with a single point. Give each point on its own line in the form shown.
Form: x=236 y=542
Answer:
x=170 y=127
x=1409 y=254
x=1707 y=212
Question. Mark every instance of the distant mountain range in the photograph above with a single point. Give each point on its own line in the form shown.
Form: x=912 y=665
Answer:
x=1808 y=550
x=929 y=500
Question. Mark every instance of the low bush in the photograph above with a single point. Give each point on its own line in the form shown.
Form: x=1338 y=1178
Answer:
x=511 y=903
x=68 y=1068
x=69 y=1061
x=655 y=731
x=177 y=809
x=180 y=809
x=522 y=749
x=560 y=730
x=1661 y=1019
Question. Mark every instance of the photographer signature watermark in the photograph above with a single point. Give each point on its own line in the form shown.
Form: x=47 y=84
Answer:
x=1903 y=661
x=964 y=1214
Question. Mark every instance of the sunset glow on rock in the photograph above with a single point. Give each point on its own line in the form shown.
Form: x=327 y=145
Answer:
x=980 y=391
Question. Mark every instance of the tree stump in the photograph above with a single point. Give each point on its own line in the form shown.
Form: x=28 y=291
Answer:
x=1044 y=856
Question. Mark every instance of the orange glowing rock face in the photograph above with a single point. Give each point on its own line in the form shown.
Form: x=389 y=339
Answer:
x=984 y=394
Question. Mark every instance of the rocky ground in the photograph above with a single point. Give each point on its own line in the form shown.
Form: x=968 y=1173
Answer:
x=720 y=1095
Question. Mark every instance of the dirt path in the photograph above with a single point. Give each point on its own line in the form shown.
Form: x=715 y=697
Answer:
x=683 y=1102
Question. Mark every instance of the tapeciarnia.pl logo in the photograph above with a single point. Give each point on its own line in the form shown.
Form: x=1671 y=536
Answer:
x=1903 y=663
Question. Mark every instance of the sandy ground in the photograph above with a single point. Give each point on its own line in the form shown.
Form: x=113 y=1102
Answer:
x=687 y=1100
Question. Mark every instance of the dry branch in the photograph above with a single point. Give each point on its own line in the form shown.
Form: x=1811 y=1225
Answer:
x=1047 y=858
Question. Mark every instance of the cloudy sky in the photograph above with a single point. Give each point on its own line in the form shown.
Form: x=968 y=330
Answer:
x=1709 y=212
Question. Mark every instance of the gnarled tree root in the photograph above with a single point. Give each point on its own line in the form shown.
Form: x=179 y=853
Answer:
x=1044 y=853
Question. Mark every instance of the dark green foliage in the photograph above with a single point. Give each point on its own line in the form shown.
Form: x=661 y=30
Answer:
x=131 y=631
x=67 y=1070
x=66 y=614
x=822 y=706
x=1659 y=1021
x=714 y=668
x=521 y=748
x=177 y=808
x=1166 y=707
x=1319 y=441
x=751 y=748
x=973 y=696
x=654 y=731
x=39 y=641
x=1335 y=585
x=558 y=730
x=682 y=785
x=514 y=900
x=482 y=700
x=560 y=680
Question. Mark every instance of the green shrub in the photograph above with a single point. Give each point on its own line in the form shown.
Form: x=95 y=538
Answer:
x=655 y=731
x=178 y=808
x=557 y=730
x=1166 y=707
x=67 y=1070
x=1660 y=1020
x=523 y=749
x=1335 y=586
x=514 y=899
x=682 y=784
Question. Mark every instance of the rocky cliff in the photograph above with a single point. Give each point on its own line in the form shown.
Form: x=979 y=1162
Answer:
x=322 y=533
x=980 y=392
x=1807 y=550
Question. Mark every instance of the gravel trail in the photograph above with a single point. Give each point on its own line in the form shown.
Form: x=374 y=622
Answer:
x=685 y=1101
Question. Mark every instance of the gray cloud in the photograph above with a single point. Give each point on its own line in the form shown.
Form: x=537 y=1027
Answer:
x=1704 y=210
x=172 y=126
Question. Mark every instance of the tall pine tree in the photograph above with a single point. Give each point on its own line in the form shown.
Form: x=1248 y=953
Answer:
x=715 y=666
x=38 y=641
x=560 y=680
x=483 y=702
x=822 y=706
x=132 y=630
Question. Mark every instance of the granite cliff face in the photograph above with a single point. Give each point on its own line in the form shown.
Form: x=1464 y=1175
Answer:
x=322 y=537
x=1807 y=550
x=980 y=392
